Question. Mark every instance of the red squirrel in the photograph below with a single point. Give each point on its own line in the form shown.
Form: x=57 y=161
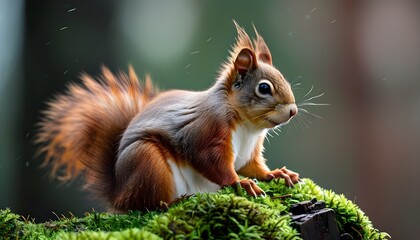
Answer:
x=138 y=147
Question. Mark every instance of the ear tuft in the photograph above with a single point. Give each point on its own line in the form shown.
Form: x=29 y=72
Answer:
x=242 y=41
x=261 y=49
x=243 y=54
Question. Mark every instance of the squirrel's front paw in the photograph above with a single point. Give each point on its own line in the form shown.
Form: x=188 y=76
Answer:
x=250 y=187
x=289 y=176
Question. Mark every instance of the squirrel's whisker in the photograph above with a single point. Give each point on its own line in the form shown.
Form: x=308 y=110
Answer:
x=312 y=104
x=309 y=92
x=314 y=97
x=307 y=112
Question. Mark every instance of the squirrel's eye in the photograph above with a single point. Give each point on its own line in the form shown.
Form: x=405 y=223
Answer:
x=264 y=88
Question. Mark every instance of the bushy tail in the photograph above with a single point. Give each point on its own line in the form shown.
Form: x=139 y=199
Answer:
x=82 y=128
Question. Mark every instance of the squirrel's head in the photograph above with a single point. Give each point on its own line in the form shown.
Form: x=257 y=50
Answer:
x=257 y=89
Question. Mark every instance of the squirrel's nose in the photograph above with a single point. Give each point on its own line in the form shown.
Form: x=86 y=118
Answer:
x=293 y=110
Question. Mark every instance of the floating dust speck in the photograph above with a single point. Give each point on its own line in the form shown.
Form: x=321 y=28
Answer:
x=195 y=52
x=71 y=10
x=333 y=21
x=290 y=34
x=63 y=28
x=47 y=44
x=27 y=134
x=308 y=16
x=209 y=39
x=384 y=79
x=313 y=9
x=65 y=72
x=187 y=66
x=27 y=164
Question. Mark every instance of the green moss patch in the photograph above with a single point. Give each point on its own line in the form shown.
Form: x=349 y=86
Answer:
x=221 y=215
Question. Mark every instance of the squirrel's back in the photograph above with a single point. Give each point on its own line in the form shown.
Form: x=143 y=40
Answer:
x=79 y=123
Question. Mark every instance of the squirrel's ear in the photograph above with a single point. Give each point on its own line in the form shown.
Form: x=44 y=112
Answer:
x=245 y=61
x=263 y=53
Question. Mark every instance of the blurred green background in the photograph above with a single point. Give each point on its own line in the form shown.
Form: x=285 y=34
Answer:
x=364 y=55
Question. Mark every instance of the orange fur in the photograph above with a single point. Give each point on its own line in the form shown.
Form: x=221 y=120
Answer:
x=213 y=155
x=82 y=128
x=144 y=184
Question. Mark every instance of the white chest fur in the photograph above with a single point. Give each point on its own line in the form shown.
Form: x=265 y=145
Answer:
x=188 y=181
x=244 y=140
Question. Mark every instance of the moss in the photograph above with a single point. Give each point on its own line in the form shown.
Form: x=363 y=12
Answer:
x=128 y=234
x=9 y=223
x=222 y=215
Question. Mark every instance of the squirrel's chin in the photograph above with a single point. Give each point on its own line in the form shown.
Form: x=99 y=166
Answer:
x=273 y=123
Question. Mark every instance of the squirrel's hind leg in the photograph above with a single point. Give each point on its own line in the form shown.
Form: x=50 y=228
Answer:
x=143 y=177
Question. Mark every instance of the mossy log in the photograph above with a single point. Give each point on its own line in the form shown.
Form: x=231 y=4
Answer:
x=221 y=215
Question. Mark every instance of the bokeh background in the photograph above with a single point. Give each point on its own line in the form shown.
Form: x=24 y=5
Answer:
x=364 y=55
